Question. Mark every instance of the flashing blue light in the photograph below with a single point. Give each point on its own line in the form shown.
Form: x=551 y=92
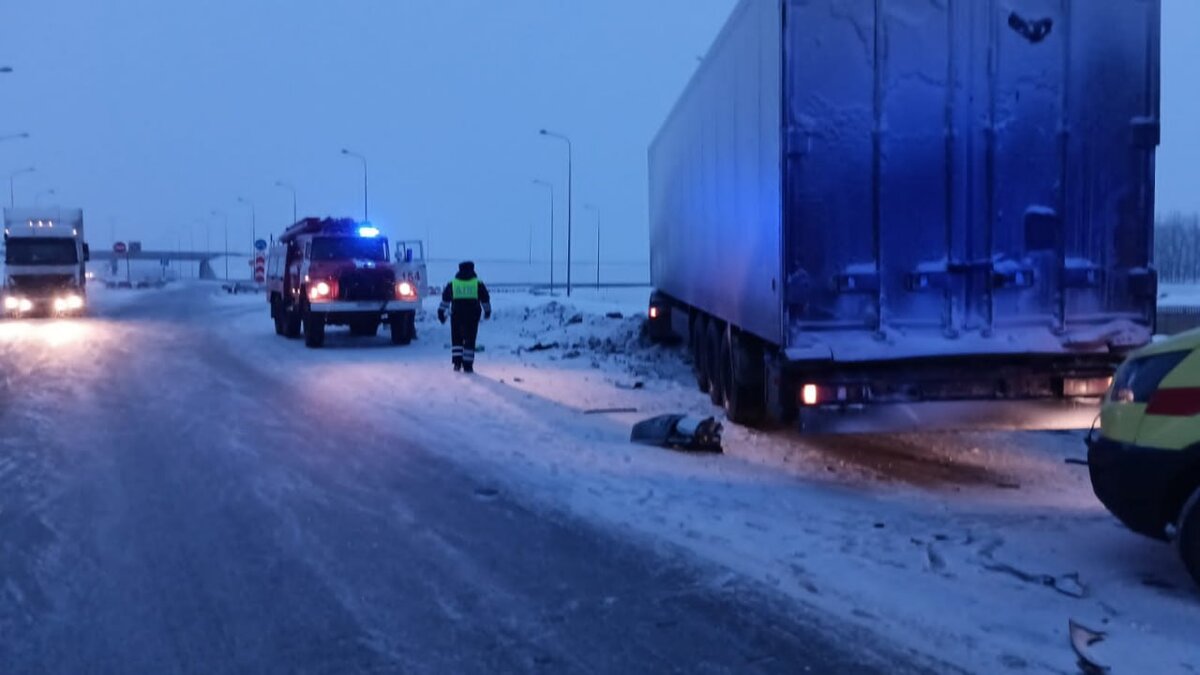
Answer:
x=368 y=231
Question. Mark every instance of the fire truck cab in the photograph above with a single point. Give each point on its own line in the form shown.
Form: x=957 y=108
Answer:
x=338 y=272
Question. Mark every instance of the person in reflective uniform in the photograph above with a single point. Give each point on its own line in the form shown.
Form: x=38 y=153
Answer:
x=466 y=300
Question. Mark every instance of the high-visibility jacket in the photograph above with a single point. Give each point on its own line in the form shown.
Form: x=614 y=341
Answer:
x=466 y=296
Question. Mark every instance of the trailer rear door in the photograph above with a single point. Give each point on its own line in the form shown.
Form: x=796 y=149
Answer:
x=971 y=166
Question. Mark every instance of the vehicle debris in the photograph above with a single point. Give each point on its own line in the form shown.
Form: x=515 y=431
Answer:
x=542 y=347
x=681 y=432
x=1082 y=638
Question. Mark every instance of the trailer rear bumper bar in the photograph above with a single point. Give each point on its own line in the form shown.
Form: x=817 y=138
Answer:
x=1048 y=414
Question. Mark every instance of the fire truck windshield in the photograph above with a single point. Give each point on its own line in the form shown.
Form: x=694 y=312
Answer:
x=345 y=248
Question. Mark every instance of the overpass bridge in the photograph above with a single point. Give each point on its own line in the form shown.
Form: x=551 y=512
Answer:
x=203 y=258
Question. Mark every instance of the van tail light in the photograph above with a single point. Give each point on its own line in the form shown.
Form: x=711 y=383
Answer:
x=1182 y=402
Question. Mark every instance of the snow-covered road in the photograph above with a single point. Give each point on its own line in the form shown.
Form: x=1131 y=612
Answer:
x=181 y=491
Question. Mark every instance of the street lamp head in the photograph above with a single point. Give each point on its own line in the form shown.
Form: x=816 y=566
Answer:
x=544 y=132
x=6 y=69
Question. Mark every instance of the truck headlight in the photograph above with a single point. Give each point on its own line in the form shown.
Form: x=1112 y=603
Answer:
x=74 y=302
x=12 y=304
x=25 y=305
x=322 y=291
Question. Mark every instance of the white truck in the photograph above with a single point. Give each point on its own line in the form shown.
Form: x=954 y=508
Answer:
x=45 y=258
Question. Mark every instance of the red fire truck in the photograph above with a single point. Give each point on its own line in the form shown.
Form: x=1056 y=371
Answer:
x=338 y=272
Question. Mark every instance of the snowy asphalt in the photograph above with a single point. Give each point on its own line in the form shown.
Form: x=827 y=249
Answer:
x=164 y=507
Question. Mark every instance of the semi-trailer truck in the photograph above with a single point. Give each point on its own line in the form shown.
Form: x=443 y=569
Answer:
x=45 y=256
x=893 y=214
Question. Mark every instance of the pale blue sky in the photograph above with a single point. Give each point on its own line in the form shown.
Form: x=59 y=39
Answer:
x=152 y=113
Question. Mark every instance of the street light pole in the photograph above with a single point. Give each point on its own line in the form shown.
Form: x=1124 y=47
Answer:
x=366 y=213
x=225 y=216
x=12 y=192
x=253 y=220
x=291 y=188
x=589 y=207
x=570 y=195
x=550 y=186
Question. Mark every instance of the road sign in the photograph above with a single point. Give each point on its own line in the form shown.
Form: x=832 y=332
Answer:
x=260 y=245
x=135 y=247
x=120 y=247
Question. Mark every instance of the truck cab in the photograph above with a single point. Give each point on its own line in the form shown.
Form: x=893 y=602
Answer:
x=45 y=260
x=338 y=272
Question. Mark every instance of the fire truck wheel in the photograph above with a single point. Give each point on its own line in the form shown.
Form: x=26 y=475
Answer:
x=314 y=330
x=404 y=328
x=291 y=324
x=278 y=315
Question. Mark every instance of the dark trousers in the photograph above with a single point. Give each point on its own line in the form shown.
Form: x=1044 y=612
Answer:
x=464 y=328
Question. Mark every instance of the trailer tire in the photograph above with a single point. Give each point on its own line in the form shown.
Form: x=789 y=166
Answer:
x=404 y=328
x=742 y=380
x=1189 y=535
x=712 y=354
x=314 y=329
x=699 y=338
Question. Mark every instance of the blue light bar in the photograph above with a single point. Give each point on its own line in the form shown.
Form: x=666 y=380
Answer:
x=368 y=231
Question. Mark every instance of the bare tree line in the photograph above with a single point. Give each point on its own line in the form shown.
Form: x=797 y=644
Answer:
x=1177 y=248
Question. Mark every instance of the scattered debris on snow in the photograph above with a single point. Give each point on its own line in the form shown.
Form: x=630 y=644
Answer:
x=1081 y=639
x=679 y=432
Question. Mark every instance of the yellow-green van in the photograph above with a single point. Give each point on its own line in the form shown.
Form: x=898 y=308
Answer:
x=1145 y=460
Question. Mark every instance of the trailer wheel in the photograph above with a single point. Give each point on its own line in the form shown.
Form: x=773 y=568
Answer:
x=741 y=376
x=314 y=329
x=699 y=339
x=404 y=328
x=1189 y=535
x=712 y=353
